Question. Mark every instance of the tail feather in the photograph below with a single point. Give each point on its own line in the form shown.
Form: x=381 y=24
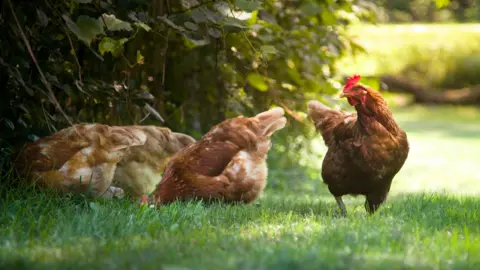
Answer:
x=325 y=119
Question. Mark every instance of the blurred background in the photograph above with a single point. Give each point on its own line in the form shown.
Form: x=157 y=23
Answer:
x=189 y=64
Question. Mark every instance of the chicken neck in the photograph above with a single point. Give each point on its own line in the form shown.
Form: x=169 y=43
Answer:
x=369 y=113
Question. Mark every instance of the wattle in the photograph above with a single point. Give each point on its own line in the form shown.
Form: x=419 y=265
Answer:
x=352 y=101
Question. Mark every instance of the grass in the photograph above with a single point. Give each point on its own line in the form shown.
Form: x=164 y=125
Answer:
x=441 y=55
x=430 y=221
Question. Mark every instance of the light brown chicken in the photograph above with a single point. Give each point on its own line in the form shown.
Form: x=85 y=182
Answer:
x=227 y=164
x=85 y=158
x=140 y=170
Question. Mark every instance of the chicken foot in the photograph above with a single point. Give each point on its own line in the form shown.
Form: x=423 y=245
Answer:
x=113 y=192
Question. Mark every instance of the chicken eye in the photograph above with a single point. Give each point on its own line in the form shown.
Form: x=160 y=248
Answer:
x=360 y=91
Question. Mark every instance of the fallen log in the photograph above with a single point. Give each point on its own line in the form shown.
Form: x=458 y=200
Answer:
x=423 y=95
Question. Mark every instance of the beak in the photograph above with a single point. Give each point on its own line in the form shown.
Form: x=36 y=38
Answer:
x=343 y=95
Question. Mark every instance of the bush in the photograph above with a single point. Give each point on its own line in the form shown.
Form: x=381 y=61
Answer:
x=190 y=63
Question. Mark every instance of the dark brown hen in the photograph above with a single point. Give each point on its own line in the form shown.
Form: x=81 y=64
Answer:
x=365 y=150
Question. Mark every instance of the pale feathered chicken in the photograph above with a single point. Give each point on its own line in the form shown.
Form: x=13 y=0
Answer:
x=85 y=158
x=140 y=170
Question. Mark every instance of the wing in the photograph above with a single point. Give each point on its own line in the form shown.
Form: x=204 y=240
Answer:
x=206 y=158
x=191 y=185
x=334 y=125
x=160 y=145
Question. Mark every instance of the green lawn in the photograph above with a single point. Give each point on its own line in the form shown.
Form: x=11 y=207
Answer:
x=415 y=229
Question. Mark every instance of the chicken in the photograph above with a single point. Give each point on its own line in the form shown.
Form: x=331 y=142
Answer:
x=365 y=150
x=140 y=170
x=228 y=164
x=87 y=157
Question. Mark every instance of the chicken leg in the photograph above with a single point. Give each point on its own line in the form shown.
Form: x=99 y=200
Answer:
x=340 y=203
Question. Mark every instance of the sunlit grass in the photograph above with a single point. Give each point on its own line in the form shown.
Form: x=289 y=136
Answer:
x=444 y=150
x=288 y=229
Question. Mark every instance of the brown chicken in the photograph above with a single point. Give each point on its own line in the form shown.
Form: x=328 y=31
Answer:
x=87 y=158
x=228 y=164
x=365 y=150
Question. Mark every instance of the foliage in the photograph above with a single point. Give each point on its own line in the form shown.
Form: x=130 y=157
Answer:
x=425 y=10
x=189 y=63
x=440 y=55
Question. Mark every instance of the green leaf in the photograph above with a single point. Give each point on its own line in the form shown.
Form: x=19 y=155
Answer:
x=215 y=33
x=9 y=123
x=267 y=49
x=171 y=24
x=191 y=26
x=442 y=3
x=110 y=45
x=248 y=5
x=140 y=58
x=42 y=18
x=253 y=18
x=232 y=24
x=114 y=24
x=144 y=26
x=213 y=17
x=328 y=17
x=311 y=8
x=195 y=39
x=83 y=1
x=86 y=28
x=198 y=16
x=258 y=81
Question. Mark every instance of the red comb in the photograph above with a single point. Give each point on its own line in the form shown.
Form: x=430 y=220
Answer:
x=351 y=81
